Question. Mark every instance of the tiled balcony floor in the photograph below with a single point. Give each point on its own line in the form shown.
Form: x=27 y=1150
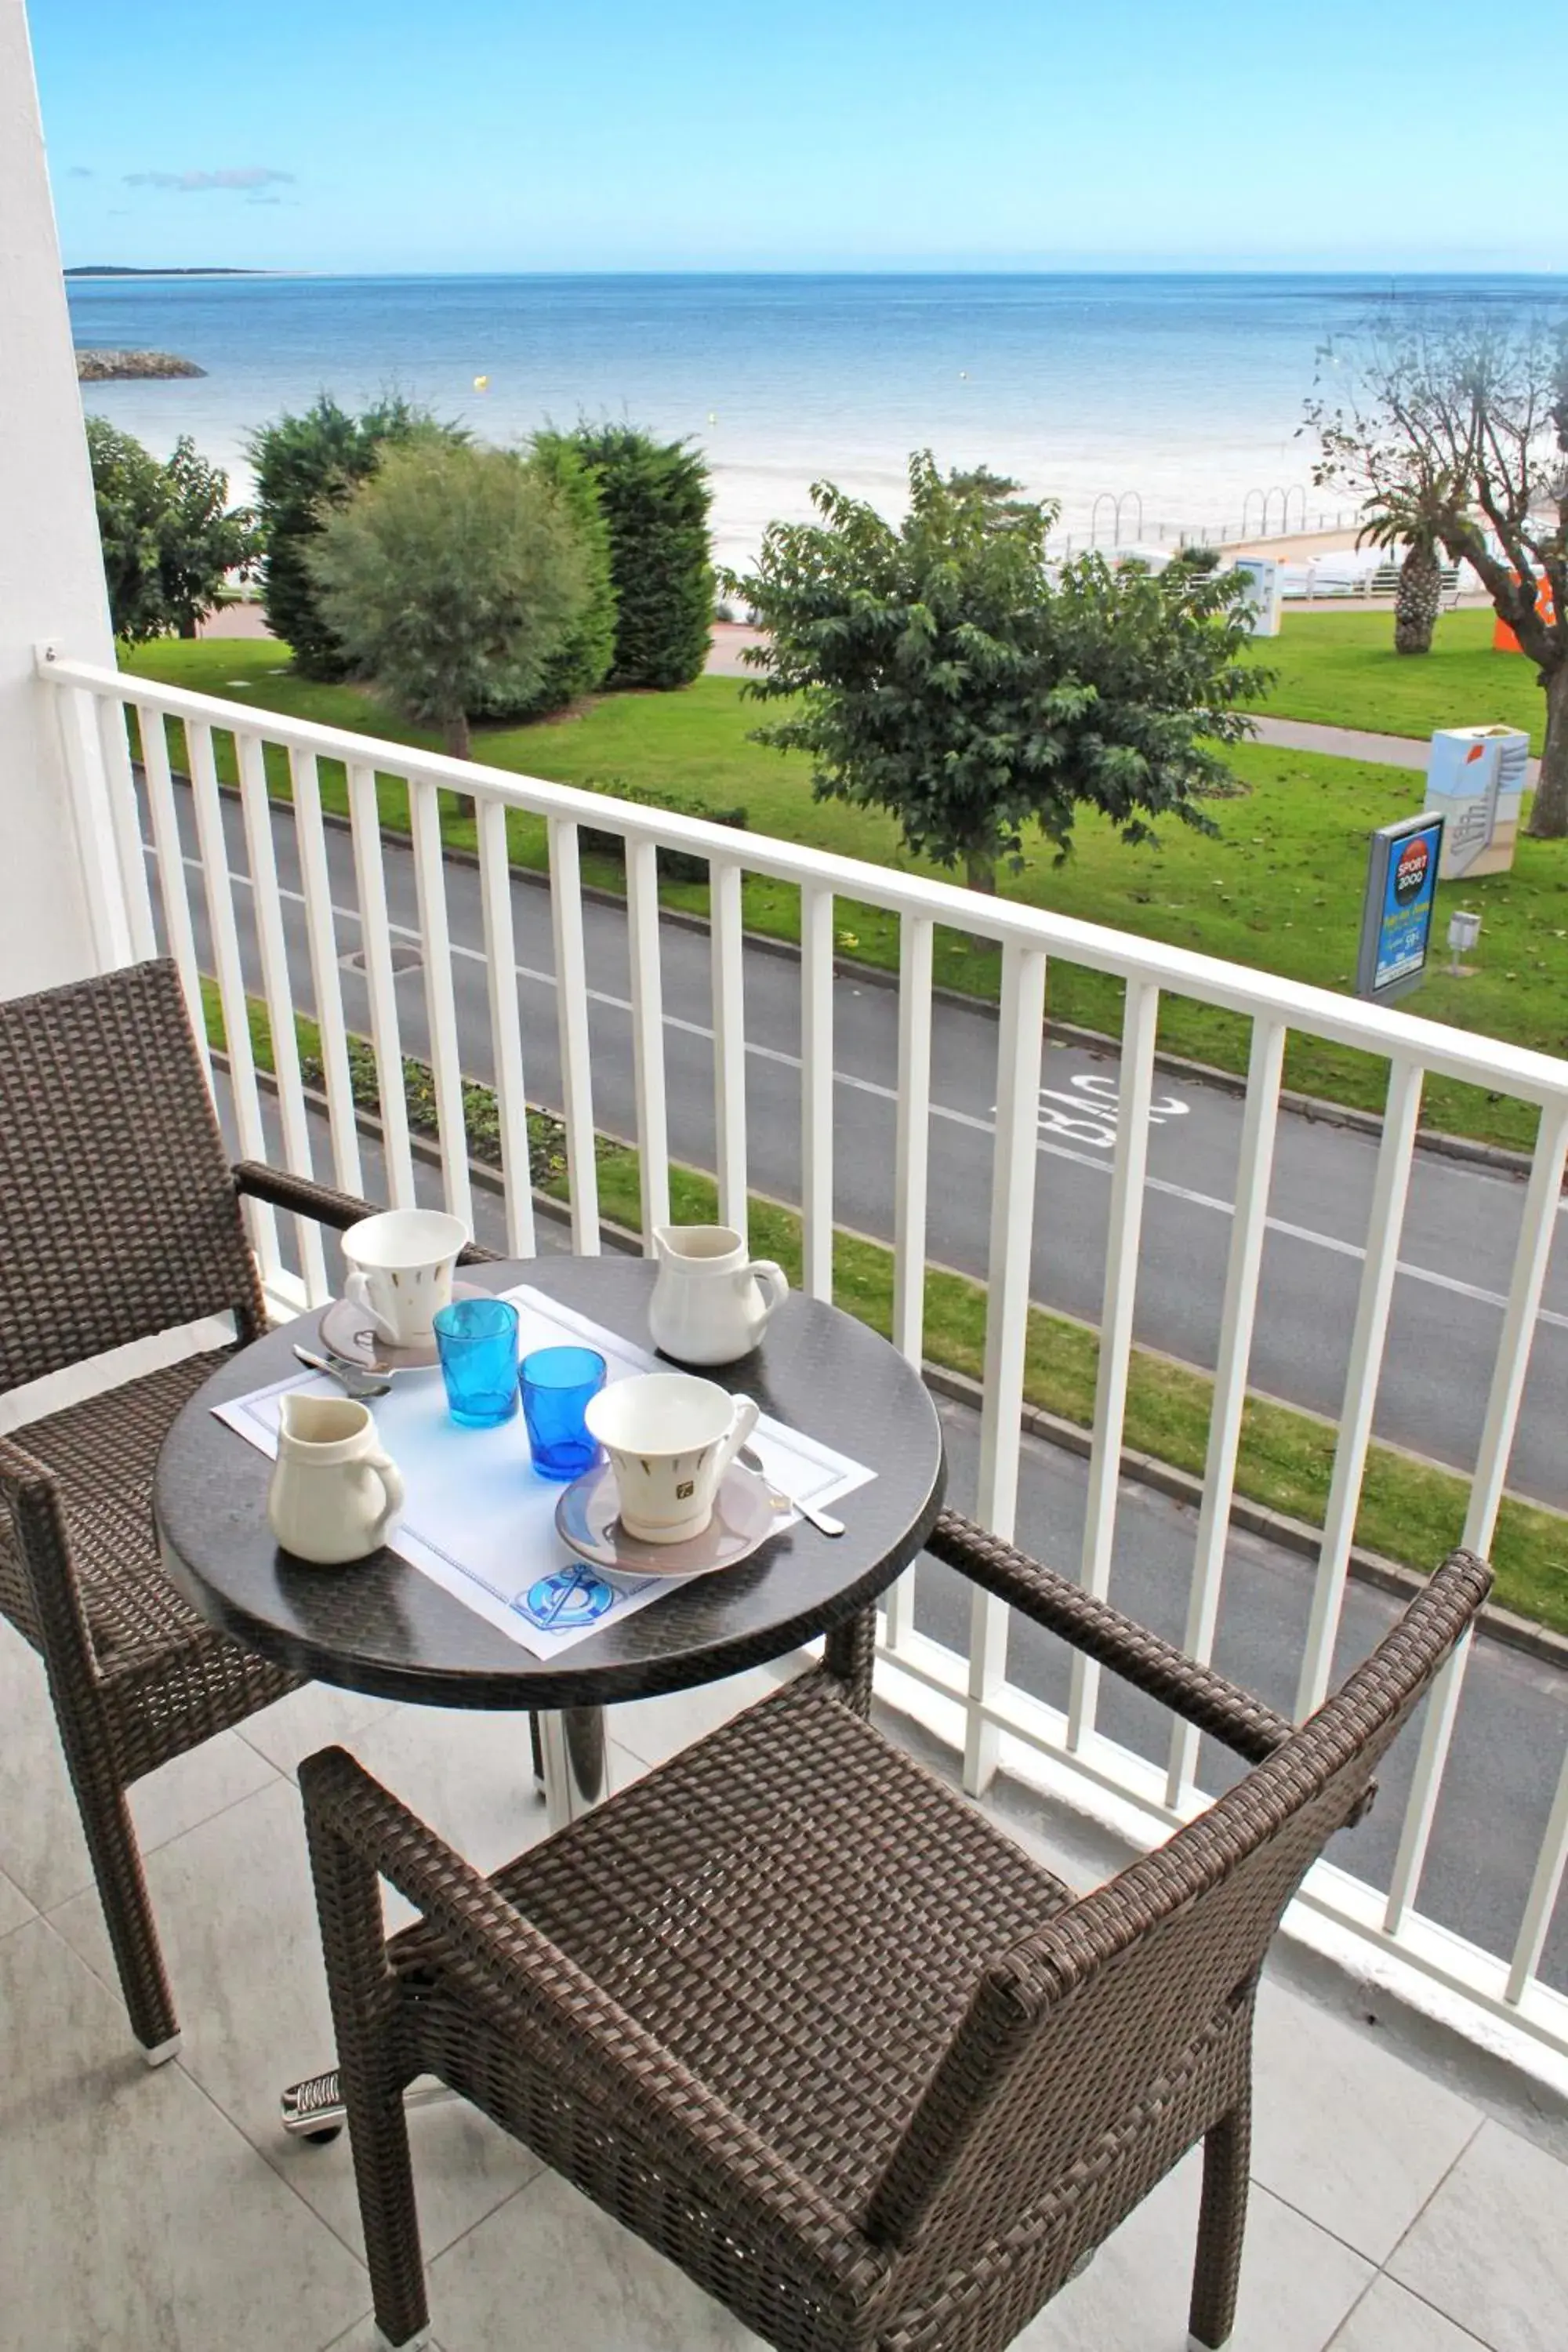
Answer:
x=165 y=2212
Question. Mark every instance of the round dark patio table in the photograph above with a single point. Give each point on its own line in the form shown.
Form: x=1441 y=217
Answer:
x=382 y=1626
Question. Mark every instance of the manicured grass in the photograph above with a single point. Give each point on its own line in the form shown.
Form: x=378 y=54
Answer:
x=1340 y=670
x=1280 y=889
x=1409 y=1511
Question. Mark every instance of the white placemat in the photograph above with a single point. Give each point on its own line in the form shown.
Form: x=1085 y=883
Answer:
x=479 y=1523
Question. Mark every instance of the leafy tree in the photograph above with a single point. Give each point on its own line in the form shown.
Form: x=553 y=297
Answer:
x=168 y=533
x=304 y=467
x=656 y=498
x=1472 y=418
x=588 y=650
x=936 y=670
x=452 y=578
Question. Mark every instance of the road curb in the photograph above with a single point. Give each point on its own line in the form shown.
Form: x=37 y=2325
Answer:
x=1370 y=1567
x=1504 y=1625
x=1494 y=1156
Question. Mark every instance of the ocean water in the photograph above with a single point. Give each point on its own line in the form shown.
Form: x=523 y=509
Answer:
x=1181 y=395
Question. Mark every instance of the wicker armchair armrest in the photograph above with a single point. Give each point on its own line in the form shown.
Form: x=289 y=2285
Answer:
x=24 y=1483
x=530 y=1985
x=324 y=1202
x=46 y=1588
x=1197 y=1693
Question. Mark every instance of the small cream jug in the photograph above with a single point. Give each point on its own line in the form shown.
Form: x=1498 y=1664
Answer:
x=711 y=1302
x=334 y=1493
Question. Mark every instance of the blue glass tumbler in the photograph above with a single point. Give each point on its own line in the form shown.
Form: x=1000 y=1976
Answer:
x=557 y=1384
x=477 y=1342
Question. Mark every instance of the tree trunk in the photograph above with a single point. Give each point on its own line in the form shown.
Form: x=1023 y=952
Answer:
x=1417 y=600
x=187 y=624
x=1549 y=813
x=980 y=869
x=460 y=744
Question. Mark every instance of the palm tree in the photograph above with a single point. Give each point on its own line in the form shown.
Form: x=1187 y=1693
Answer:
x=1411 y=514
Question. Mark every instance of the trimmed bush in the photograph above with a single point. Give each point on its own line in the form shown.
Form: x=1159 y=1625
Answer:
x=587 y=654
x=674 y=864
x=305 y=465
x=656 y=498
x=453 y=577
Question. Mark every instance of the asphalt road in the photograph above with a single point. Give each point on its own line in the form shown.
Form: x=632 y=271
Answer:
x=1508 y=1740
x=1461 y=1222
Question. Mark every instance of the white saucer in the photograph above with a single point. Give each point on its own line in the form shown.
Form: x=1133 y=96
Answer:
x=587 y=1518
x=346 y=1330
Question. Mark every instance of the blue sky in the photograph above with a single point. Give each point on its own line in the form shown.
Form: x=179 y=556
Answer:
x=635 y=134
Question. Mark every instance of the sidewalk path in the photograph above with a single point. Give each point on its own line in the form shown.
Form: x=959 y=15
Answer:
x=731 y=637
x=1351 y=744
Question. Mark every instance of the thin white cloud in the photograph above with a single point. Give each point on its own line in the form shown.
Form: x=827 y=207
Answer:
x=186 y=183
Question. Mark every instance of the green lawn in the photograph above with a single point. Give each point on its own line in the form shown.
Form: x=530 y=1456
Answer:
x=1340 y=670
x=1280 y=889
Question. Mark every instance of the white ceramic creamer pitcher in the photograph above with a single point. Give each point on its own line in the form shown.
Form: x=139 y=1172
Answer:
x=334 y=1493
x=711 y=1302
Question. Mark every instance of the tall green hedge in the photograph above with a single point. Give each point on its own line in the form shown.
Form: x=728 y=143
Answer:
x=655 y=497
x=586 y=656
x=303 y=464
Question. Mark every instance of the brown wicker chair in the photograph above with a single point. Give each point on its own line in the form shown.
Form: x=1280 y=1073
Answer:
x=118 y=1218
x=804 y=2020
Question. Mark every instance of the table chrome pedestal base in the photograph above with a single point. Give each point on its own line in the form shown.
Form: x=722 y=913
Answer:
x=570 y=1766
x=314 y=2109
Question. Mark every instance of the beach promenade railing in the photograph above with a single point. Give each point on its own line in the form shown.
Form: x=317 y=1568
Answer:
x=200 y=872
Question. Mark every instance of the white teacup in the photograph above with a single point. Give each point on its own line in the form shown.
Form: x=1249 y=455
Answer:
x=334 y=1492
x=400 y=1270
x=670 y=1437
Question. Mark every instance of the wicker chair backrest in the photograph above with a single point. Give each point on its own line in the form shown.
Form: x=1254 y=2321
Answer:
x=1078 y=2042
x=118 y=1214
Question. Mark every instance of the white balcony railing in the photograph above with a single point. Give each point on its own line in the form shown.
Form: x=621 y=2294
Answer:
x=971 y=1698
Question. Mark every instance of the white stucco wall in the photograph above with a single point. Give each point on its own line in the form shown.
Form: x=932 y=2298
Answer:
x=51 y=579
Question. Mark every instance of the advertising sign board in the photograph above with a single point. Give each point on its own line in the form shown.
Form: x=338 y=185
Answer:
x=1475 y=781
x=1265 y=580
x=1396 y=918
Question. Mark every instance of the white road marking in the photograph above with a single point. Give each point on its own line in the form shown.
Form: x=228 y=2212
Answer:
x=1091 y=1081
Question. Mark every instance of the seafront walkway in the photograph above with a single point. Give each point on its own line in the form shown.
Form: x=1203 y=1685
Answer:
x=731 y=639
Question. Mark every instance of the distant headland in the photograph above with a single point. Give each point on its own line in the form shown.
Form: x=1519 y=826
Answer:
x=117 y=269
x=121 y=367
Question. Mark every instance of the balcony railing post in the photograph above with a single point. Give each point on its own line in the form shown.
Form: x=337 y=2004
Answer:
x=1008 y=1266
x=1401 y=1113
x=911 y=1157
x=728 y=988
x=1258 y=1126
x=506 y=1028
x=440 y=1005
x=1538 y=1230
x=1545 y=1885
x=1140 y=1026
x=172 y=887
x=119 y=910
x=816 y=1091
x=648 y=1037
x=375 y=949
x=572 y=1006
x=224 y=936
x=326 y=972
x=266 y=913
